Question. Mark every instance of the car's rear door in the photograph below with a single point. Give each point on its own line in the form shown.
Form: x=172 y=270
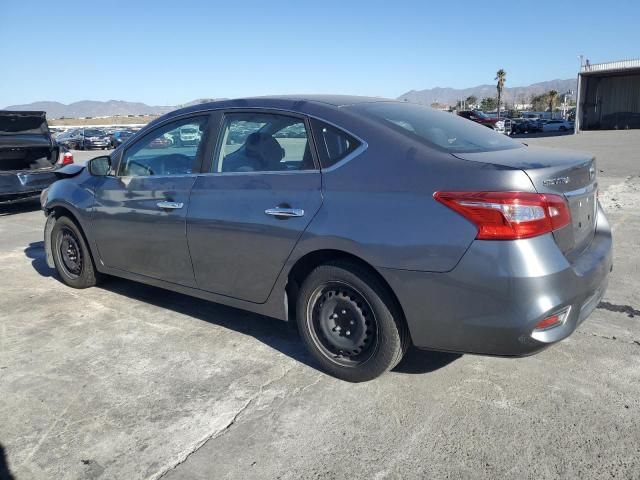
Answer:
x=139 y=218
x=246 y=215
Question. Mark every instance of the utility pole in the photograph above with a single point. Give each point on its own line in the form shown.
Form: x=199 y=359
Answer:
x=568 y=93
x=576 y=124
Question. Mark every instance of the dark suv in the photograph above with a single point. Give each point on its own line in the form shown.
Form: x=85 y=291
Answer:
x=84 y=139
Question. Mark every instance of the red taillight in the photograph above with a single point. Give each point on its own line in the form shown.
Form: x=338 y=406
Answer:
x=509 y=215
x=67 y=158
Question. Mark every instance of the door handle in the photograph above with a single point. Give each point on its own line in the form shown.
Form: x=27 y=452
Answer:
x=285 y=212
x=170 y=205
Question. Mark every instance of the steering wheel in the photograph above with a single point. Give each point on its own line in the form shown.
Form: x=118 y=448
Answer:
x=148 y=170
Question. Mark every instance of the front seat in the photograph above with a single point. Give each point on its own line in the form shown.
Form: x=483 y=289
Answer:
x=261 y=152
x=266 y=149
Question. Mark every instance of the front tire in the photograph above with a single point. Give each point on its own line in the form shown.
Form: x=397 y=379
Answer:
x=350 y=322
x=71 y=255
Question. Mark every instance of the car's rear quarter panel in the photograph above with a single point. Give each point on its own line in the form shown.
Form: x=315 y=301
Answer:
x=380 y=204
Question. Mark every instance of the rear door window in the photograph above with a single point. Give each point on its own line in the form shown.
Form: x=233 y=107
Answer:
x=263 y=142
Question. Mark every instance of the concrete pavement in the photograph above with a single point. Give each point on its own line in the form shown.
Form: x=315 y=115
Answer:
x=130 y=381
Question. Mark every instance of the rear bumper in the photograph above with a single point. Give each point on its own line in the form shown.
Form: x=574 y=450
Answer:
x=492 y=301
x=20 y=185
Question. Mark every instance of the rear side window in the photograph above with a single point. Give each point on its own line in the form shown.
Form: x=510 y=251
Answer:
x=333 y=143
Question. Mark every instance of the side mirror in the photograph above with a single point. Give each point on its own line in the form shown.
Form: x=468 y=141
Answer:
x=99 y=166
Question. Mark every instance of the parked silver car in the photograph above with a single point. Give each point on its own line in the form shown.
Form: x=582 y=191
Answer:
x=557 y=126
x=377 y=225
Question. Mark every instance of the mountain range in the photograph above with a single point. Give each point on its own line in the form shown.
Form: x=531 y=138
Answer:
x=445 y=96
x=449 y=96
x=92 y=108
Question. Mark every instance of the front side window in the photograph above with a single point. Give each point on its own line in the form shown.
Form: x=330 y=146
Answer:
x=172 y=149
x=263 y=142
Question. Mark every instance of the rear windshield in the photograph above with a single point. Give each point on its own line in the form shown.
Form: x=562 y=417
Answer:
x=445 y=131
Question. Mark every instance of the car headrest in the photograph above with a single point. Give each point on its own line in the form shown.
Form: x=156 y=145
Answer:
x=266 y=148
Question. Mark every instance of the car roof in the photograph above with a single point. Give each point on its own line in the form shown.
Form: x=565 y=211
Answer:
x=289 y=102
x=335 y=100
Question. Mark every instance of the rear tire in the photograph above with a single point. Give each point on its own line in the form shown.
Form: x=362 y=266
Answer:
x=350 y=323
x=71 y=255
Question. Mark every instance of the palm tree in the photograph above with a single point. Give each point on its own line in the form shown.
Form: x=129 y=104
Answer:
x=553 y=95
x=501 y=77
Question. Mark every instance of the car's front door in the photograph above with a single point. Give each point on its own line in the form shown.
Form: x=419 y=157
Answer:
x=247 y=214
x=139 y=217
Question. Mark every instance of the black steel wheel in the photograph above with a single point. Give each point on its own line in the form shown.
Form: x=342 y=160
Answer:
x=350 y=322
x=71 y=254
x=342 y=324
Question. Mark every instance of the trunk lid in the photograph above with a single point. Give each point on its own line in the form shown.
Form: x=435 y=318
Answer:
x=563 y=172
x=25 y=142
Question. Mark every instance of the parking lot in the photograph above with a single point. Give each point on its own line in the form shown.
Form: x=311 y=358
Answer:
x=130 y=381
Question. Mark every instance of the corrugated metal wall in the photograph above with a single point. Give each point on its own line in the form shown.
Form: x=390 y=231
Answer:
x=611 y=101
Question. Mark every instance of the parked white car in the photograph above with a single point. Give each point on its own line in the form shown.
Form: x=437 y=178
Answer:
x=189 y=135
x=557 y=125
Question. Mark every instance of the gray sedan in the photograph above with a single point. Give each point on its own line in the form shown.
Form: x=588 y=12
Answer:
x=372 y=224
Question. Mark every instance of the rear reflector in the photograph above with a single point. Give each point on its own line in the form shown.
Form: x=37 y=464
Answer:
x=509 y=215
x=552 y=321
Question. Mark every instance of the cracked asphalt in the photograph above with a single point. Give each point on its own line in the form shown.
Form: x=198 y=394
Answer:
x=130 y=381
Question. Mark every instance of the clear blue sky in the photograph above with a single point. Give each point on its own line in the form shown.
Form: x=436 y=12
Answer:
x=166 y=53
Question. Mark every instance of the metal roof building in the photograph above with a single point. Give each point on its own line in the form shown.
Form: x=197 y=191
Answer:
x=608 y=96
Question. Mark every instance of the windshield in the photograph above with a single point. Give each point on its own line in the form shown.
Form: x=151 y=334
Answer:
x=445 y=131
x=93 y=133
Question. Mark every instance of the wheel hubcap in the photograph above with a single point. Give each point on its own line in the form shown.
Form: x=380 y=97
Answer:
x=70 y=253
x=343 y=325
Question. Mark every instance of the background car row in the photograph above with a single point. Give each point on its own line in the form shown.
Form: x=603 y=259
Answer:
x=513 y=126
x=84 y=139
x=96 y=138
